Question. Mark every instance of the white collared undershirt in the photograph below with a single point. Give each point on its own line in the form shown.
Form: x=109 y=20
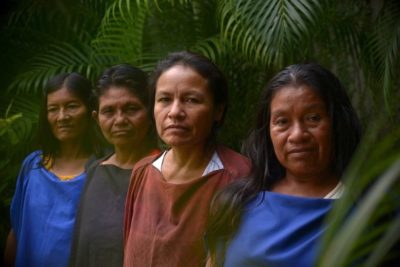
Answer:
x=213 y=165
x=216 y=164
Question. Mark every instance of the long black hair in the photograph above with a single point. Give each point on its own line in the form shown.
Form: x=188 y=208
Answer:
x=227 y=206
x=80 y=87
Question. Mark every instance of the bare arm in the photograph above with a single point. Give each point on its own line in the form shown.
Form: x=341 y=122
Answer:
x=10 y=251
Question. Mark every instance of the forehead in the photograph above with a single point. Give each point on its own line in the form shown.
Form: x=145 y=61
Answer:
x=118 y=95
x=292 y=96
x=180 y=77
x=62 y=95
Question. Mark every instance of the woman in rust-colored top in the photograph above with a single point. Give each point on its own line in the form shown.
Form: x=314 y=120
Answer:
x=169 y=194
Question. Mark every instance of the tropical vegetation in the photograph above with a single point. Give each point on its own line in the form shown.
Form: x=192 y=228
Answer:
x=250 y=40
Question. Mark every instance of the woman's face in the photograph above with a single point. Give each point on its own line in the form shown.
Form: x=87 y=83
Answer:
x=300 y=129
x=184 y=108
x=67 y=115
x=122 y=117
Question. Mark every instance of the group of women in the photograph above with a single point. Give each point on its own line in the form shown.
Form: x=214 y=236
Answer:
x=195 y=202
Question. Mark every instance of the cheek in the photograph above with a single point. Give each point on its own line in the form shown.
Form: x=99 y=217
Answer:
x=278 y=145
x=206 y=119
x=274 y=139
x=142 y=123
x=325 y=139
x=104 y=125
x=50 y=119
x=326 y=146
x=83 y=117
x=158 y=119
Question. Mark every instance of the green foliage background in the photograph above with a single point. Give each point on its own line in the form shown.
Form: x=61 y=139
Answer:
x=250 y=40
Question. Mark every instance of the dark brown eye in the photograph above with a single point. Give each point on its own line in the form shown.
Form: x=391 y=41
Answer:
x=313 y=117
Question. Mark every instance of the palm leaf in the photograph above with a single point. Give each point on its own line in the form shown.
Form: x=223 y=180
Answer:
x=355 y=232
x=270 y=32
x=121 y=32
x=59 y=58
x=16 y=127
x=383 y=49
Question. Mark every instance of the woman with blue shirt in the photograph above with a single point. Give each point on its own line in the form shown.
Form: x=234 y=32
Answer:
x=305 y=134
x=51 y=179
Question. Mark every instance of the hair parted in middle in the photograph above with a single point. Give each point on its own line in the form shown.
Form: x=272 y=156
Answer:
x=216 y=81
x=227 y=206
x=124 y=75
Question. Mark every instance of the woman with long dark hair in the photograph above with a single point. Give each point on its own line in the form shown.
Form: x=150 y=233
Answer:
x=305 y=134
x=51 y=179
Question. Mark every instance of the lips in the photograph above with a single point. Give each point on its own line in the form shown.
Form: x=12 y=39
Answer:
x=176 y=127
x=120 y=132
x=300 y=151
x=64 y=127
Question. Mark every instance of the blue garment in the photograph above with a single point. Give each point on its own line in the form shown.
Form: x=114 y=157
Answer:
x=43 y=214
x=279 y=230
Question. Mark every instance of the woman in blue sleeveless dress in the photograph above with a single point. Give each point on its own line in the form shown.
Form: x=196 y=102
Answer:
x=305 y=133
x=51 y=179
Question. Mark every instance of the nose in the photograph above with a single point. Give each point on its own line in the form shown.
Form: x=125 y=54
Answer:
x=298 y=133
x=63 y=114
x=176 y=110
x=120 y=118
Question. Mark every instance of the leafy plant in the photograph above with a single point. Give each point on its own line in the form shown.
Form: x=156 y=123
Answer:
x=250 y=41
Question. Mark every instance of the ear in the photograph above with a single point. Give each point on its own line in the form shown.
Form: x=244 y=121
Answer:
x=95 y=116
x=219 y=112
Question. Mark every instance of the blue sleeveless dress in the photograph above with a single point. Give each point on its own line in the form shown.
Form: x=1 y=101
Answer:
x=43 y=214
x=279 y=230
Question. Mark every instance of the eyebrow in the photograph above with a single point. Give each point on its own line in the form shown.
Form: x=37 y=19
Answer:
x=277 y=113
x=307 y=107
x=49 y=103
x=188 y=92
x=162 y=92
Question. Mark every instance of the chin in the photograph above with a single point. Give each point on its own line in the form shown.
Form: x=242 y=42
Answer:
x=176 y=143
x=124 y=144
x=65 y=138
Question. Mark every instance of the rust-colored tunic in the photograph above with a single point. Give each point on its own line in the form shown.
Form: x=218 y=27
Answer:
x=164 y=222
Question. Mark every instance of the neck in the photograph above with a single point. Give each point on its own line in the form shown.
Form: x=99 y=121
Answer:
x=318 y=186
x=185 y=163
x=191 y=157
x=126 y=156
x=70 y=161
x=71 y=150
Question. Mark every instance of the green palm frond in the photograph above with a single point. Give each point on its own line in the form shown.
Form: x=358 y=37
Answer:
x=95 y=6
x=383 y=50
x=249 y=40
x=358 y=232
x=159 y=3
x=340 y=26
x=37 y=35
x=17 y=122
x=121 y=32
x=390 y=237
x=213 y=47
x=5 y=128
x=59 y=58
x=53 y=22
x=270 y=32
x=179 y=26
